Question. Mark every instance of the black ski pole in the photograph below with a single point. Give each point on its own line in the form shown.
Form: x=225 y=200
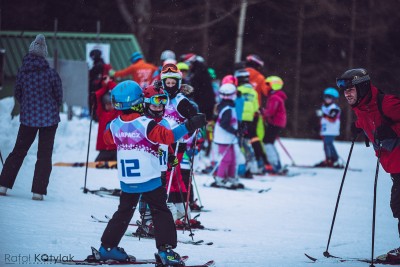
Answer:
x=326 y=253
x=374 y=208
x=1 y=157
x=85 y=190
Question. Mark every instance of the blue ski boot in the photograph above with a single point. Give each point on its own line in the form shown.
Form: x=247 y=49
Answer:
x=167 y=257
x=115 y=253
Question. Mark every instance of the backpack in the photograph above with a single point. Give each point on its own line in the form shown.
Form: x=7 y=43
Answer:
x=380 y=97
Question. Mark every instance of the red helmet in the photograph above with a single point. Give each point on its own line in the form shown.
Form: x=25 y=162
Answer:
x=154 y=96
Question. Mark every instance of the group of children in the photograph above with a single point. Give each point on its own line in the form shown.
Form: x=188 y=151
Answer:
x=155 y=130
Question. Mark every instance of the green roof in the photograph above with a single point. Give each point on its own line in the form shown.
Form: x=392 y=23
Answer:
x=70 y=45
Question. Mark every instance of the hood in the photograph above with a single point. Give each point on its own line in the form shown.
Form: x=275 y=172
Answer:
x=31 y=63
x=281 y=94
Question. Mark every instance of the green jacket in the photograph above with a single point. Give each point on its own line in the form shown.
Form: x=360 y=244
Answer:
x=250 y=97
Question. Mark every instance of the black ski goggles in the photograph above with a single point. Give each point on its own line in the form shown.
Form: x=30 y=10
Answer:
x=344 y=84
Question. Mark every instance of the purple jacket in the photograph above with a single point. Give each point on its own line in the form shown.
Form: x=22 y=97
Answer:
x=39 y=91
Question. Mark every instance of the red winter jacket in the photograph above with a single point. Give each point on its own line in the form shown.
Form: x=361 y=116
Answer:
x=104 y=117
x=275 y=111
x=369 y=119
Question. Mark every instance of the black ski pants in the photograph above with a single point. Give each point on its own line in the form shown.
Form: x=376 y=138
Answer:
x=25 y=138
x=395 y=197
x=164 y=225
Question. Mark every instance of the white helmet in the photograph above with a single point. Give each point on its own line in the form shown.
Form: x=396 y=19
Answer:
x=167 y=54
x=227 y=91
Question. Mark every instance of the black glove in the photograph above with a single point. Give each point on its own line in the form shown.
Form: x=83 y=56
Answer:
x=354 y=130
x=384 y=132
x=195 y=122
x=173 y=160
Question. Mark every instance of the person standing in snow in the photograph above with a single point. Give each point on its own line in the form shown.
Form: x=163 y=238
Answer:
x=226 y=134
x=275 y=116
x=38 y=89
x=178 y=109
x=378 y=116
x=105 y=113
x=330 y=127
x=137 y=139
x=140 y=71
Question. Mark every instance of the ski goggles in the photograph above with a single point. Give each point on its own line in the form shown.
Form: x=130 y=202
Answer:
x=349 y=83
x=169 y=68
x=157 y=100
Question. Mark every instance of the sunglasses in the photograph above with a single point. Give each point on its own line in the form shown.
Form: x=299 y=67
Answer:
x=169 y=68
x=157 y=100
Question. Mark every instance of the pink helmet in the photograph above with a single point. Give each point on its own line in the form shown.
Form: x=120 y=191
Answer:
x=229 y=79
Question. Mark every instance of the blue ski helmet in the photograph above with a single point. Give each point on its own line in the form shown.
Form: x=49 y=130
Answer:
x=332 y=92
x=135 y=57
x=126 y=95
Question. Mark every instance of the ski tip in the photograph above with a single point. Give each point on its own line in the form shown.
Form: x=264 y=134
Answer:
x=311 y=258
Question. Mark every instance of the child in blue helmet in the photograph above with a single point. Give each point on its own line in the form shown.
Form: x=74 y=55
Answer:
x=138 y=139
x=330 y=127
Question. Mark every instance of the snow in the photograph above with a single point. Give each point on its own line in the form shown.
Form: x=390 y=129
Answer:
x=270 y=229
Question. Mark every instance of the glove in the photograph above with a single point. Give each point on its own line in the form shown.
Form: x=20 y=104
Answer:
x=195 y=122
x=354 y=130
x=173 y=160
x=319 y=113
x=384 y=132
x=111 y=73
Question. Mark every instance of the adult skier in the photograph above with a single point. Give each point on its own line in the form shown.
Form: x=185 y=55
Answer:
x=378 y=116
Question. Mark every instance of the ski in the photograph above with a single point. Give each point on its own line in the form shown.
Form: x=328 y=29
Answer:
x=315 y=167
x=382 y=259
x=93 y=164
x=260 y=191
x=189 y=242
x=102 y=192
x=96 y=219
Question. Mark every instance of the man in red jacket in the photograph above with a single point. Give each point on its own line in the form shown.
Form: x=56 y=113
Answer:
x=381 y=124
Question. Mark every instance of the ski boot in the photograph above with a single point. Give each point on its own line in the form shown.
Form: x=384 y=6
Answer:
x=393 y=256
x=194 y=207
x=115 y=253
x=167 y=257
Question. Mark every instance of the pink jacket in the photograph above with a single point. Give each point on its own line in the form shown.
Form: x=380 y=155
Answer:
x=275 y=111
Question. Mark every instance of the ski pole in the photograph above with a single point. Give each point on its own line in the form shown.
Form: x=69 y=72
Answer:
x=1 y=157
x=197 y=192
x=326 y=253
x=287 y=152
x=172 y=172
x=374 y=208
x=85 y=190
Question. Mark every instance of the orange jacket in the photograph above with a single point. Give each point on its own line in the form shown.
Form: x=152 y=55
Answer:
x=258 y=81
x=141 y=72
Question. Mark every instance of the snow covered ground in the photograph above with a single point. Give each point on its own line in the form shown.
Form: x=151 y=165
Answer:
x=271 y=229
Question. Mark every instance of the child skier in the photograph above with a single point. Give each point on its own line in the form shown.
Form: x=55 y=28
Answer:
x=275 y=115
x=330 y=127
x=105 y=113
x=177 y=110
x=225 y=136
x=137 y=139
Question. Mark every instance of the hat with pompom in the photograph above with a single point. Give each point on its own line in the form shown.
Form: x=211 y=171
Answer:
x=39 y=47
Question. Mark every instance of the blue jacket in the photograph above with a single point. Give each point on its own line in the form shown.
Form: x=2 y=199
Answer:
x=39 y=91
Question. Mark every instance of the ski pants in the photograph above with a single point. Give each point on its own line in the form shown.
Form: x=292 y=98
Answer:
x=227 y=167
x=164 y=226
x=395 y=197
x=43 y=166
x=107 y=155
x=329 y=148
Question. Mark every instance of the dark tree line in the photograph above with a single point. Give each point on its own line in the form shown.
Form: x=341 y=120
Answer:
x=306 y=42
